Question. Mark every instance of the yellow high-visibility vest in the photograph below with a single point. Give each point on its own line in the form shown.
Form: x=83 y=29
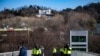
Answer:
x=39 y=51
x=61 y=49
x=54 y=50
x=69 y=51
x=34 y=51
x=65 y=51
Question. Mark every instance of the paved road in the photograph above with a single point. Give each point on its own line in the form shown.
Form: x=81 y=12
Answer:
x=29 y=52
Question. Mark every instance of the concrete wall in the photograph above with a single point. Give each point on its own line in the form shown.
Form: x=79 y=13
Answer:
x=79 y=53
x=15 y=53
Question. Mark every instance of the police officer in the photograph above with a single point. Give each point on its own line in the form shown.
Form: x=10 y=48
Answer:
x=61 y=51
x=35 y=51
x=23 y=51
x=67 y=50
x=42 y=50
x=39 y=52
x=54 y=51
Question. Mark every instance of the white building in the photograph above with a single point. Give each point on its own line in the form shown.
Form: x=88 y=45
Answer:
x=45 y=12
x=79 y=40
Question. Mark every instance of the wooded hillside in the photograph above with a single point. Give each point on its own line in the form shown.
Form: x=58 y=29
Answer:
x=53 y=31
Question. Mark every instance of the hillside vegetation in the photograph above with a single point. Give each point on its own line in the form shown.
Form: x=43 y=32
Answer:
x=53 y=31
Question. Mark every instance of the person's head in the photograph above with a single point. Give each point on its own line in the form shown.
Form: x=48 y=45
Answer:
x=22 y=43
x=36 y=46
x=66 y=45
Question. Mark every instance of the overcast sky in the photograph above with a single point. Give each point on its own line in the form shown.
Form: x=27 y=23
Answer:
x=54 y=4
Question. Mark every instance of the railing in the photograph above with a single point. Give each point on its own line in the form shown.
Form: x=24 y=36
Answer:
x=74 y=53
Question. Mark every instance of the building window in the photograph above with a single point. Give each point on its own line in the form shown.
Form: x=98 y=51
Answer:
x=79 y=45
x=78 y=38
x=79 y=49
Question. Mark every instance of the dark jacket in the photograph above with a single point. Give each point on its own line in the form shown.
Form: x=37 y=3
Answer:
x=23 y=51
